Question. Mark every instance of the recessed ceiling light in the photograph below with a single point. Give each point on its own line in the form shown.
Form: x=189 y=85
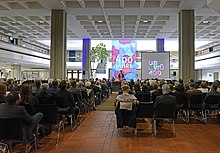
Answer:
x=13 y=22
x=41 y=22
x=145 y=21
x=205 y=22
x=100 y=21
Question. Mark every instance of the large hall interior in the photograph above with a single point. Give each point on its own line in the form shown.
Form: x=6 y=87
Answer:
x=110 y=76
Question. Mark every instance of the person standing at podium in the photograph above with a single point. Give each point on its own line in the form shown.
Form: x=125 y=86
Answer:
x=121 y=76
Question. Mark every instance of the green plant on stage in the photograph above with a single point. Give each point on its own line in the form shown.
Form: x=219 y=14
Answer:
x=98 y=53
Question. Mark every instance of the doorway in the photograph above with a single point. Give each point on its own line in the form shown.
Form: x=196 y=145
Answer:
x=74 y=74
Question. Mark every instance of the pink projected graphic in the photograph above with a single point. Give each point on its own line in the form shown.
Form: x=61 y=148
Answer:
x=155 y=68
x=155 y=65
x=124 y=59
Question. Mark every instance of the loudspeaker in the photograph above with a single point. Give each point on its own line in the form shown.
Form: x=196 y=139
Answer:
x=174 y=73
x=84 y=72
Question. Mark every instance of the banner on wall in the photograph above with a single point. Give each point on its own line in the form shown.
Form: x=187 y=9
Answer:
x=124 y=59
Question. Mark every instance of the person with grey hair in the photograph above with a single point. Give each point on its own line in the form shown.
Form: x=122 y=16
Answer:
x=43 y=96
x=165 y=98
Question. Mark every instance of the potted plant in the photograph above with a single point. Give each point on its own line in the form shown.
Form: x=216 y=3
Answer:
x=98 y=53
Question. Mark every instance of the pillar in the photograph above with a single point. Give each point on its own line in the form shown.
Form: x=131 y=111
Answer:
x=160 y=44
x=58 y=45
x=86 y=58
x=186 y=45
x=16 y=72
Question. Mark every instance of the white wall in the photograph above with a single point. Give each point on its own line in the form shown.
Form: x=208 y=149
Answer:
x=205 y=73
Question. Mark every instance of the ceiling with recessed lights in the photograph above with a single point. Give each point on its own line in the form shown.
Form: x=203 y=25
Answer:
x=107 y=19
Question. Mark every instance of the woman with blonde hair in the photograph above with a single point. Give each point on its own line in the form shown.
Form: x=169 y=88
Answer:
x=126 y=109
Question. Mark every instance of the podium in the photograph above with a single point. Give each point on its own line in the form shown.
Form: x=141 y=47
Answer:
x=116 y=86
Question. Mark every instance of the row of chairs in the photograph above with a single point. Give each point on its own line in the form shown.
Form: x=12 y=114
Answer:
x=195 y=103
x=163 y=111
x=11 y=128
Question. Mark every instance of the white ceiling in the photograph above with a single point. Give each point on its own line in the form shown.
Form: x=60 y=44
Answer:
x=120 y=18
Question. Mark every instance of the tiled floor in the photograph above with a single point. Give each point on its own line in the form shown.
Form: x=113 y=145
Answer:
x=98 y=134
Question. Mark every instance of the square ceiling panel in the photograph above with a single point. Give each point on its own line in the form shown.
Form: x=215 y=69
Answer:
x=2 y=7
x=147 y=17
x=85 y=23
x=6 y=19
x=172 y=4
x=15 y=5
x=152 y=4
x=163 y=17
x=111 y=4
x=92 y=4
x=20 y=18
x=35 y=18
x=72 y=4
x=130 y=17
x=98 y=18
x=82 y=17
x=33 y=5
x=114 y=17
x=135 y=4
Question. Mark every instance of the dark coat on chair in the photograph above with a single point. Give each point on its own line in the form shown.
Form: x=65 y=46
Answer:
x=45 y=98
x=14 y=111
x=64 y=99
x=166 y=98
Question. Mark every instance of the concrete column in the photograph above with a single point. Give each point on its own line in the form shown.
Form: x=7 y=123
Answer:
x=58 y=45
x=16 y=72
x=160 y=44
x=186 y=45
x=86 y=58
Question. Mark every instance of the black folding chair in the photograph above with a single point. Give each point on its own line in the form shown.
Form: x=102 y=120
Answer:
x=212 y=103
x=196 y=104
x=143 y=97
x=50 y=117
x=145 y=110
x=165 y=111
x=181 y=103
x=13 y=130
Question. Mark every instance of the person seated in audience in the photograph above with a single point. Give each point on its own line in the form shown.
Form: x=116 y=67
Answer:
x=3 y=89
x=76 y=94
x=131 y=84
x=43 y=96
x=156 y=92
x=65 y=101
x=12 y=109
x=54 y=89
x=204 y=87
x=83 y=92
x=104 y=88
x=36 y=87
x=164 y=98
x=120 y=91
x=143 y=95
x=192 y=90
x=28 y=99
x=137 y=86
x=91 y=95
x=213 y=91
x=125 y=108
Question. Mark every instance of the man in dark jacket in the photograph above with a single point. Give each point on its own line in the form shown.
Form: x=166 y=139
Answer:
x=165 y=98
x=43 y=96
x=13 y=110
x=65 y=100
